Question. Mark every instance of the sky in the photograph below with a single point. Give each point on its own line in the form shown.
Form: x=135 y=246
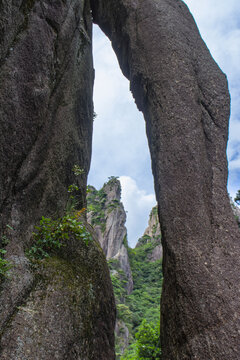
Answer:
x=119 y=141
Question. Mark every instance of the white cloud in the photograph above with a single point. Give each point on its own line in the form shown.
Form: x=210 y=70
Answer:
x=119 y=137
x=138 y=205
x=235 y=164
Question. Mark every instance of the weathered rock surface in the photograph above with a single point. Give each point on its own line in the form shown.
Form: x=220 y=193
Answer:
x=46 y=124
x=153 y=234
x=153 y=230
x=184 y=97
x=122 y=333
x=107 y=215
x=69 y=311
x=46 y=79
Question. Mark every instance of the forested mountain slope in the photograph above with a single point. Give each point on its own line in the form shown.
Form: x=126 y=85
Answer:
x=136 y=273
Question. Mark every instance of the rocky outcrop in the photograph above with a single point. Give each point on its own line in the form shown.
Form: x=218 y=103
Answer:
x=153 y=230
x=46 y=113
x=153 y=234
x=64 y=308
x=108 y=217
x=67 y=313
x=122 y=336
x=185 y=101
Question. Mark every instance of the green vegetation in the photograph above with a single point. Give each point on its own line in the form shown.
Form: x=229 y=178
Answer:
x=74 y=200
x=147 y=345
x=4 y=265
x=119 y=280
x=51 y=235
x=140 y=311
x=112 y=180
x=124 y=314
x=98 y=205
x=237 y=198
x=144 y=301
x=77 y=170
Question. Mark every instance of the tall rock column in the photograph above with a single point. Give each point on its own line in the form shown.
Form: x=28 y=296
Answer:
x=61 y=307
x=107 y=216
x=184 y=97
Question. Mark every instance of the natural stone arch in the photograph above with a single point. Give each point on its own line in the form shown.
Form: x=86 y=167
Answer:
x=184 y=98
x=46 y=79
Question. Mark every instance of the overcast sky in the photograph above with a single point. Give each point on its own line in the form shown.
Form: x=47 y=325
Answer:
x=119 y=141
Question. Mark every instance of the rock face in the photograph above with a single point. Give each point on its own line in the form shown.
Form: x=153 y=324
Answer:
x=68 y=313
x=46 y=79
x=46 y=111
x=122 y=336
x=184 y=97
x=153 y=234
x=107 y=215
x=136 y=273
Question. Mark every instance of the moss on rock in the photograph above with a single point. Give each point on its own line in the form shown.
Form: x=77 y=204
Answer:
x=70 y=314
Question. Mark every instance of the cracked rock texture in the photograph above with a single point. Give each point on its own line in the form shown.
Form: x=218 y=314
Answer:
x=110 y=229
x=153 y=234
x=185 y=101
x=64 y=309
x=46 y=79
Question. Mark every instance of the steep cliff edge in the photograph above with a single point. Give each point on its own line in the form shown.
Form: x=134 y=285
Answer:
x=107 y=216
x=153 y=234
x=52 y=309
x=135 y=273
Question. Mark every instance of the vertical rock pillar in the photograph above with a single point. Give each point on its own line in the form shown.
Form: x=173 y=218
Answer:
x=61 y=307
x=185 y=101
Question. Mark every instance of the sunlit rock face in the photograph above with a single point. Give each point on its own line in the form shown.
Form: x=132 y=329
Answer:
x=107 y=216
x=153 y=234
x=63 y=307
x=184 y=97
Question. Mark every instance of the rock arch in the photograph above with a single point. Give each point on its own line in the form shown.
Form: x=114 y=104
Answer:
x=46 y=79
x=184 y=98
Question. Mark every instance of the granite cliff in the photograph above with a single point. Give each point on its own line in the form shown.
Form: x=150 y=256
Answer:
x=107 y=216
x=135 y=273
x=61 y=307
x=46 y=79
x=153 y=234
x=185 y=101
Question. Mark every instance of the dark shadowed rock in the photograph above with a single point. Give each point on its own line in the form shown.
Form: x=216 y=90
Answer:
x=64 y=309
x=69 y=312
x=184 y=97
x=46 y=112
